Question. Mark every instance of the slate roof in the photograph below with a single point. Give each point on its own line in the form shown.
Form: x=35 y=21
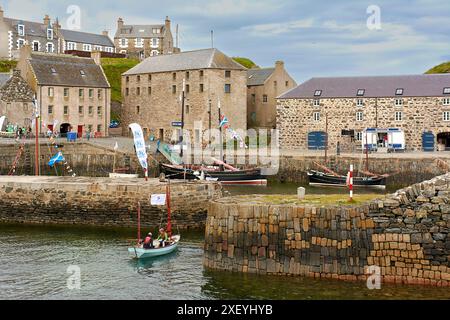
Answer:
x=257 y=77
x=16 y=89
x=4 y=77
x=425 y=85
x=140 y=31
x=88 y=38
x=188 y=60
x=36 y=29
x=68 y=71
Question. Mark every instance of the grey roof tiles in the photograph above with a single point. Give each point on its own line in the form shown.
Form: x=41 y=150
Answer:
x=257 y=77
x=88 y=38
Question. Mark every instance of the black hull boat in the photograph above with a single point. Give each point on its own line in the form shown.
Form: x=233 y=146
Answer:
x=239 y=177
x=325 y=179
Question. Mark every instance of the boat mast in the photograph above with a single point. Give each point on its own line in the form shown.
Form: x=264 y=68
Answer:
x=182 y=118
x=139 y=222
x=220 y=130
x=169 y=218
x=326 y=138
x=36 y=151
x=367 y=153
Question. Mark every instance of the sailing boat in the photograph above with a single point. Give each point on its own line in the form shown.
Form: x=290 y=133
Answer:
x=138 y=251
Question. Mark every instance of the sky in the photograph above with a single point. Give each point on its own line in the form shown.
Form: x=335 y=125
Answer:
x=314 y=38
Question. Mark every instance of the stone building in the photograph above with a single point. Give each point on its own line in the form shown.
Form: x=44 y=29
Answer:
x=152 y=92
x=15 y=33
x=16 y=101
x=263 y=87
x=417 y=104
x=72 y=92
x=82 y=41
x=143 y=41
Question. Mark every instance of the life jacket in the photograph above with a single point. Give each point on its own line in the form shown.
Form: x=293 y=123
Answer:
x=148 y=240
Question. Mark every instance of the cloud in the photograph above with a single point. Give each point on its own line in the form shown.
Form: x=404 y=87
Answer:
x=274 y=29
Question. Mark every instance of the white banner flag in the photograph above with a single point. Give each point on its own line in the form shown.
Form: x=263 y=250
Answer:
x=2 y=120
x=139 y=144
x=158 y=200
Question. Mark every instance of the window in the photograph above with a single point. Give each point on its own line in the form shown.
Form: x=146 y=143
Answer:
x=398 y=102
x=50 y=109
x=227 y=74
x=50 y=47
x=360 y=103
x=287 y=83
x=127 y=79
x=149 y=77
x=66 y=92
x=316 y=116
x=99 y=94
x=87 y=47
x=139 y=42
x=316 y=103
x=174 y=76
x=399 y=92
x=265 y=98
x=138 y=110
x=187 y=109
x=51 y=92
x=317 y=93
x=66 y=110
x=187 y=75
x=36 y=46
x=81 y=93
x=138 y=91
x=446 y=116
x=50 y=34
x=91 y=110
x=99 y=128
x=80 y=110
x=154 y=42
x=149 y=90
x=446 y=90
x=89 y=128
x=71 y=46
x=187 y=88
x=138 y=78
x=99 y=111
x=127 y=91
x=446 y=101
x=360 y=92
x=123 y=43
x=398 y=116
x=358 y=136
x=21 y=30
x=202 y=87
x=174 y=89
x=275 y=84
x=91 y=93
x=20 y=43
x=228 y=88
x=253 y=98
x=202 y=73
x=156 y=30
x=359 y=116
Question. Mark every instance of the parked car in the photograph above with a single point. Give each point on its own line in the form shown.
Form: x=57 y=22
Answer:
x=114 y=124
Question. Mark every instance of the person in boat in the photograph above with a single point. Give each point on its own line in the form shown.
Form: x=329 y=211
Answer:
x=148 y=242
x=163 y=238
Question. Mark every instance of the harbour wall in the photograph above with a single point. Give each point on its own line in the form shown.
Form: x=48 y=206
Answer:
x=102 y=201
x=404 y=234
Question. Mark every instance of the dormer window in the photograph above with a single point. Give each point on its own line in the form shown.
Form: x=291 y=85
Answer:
x=50 y=34
x=360 y=92
x=53 y=70
x=317 y=93
x=21 y=30
x=82 y=73
x=156 y=30
x=446 y=90
x=399 y=92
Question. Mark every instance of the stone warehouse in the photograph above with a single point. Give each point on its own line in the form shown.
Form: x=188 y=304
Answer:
x=152 y=93
x=71 y=92
x=340 y=109
x=263 y=87
x=405 y=235
x=143 y=41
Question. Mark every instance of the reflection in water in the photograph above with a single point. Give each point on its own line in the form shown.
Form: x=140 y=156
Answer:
x=34 y=262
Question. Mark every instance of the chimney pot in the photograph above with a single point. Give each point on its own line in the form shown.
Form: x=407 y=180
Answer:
x=97 y=56
x=105 y=32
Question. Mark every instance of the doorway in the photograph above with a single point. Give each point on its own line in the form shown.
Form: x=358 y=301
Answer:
x=64 y=129
x=80 y=131
x=443 y=140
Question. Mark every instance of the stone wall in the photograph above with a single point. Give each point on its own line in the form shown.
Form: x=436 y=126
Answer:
x=295 y=119
x=405 y=234
x=101 y=201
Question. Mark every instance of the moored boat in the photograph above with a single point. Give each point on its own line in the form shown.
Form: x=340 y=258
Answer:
x=140 y=253
x=325 y=179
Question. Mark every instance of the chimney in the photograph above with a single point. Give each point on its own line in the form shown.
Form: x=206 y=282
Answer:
x=167 y=23
x=56 y=25
x=1 y=13
x=97 y=56
x=279 y=65
x=105 y=33
x=120 y=24
x=25 y=52
x=46 y=20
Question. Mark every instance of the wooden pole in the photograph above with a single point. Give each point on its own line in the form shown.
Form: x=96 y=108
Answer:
x=367 y=153
x=36 y=151
x=326 y=138
x=350 y=186
x=169 y=213
x=139 y=223
x=182 y=118
x=220 y=130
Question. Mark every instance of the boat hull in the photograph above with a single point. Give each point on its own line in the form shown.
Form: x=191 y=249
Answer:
x=323 y=179
x=241 y=177
x=141 y=253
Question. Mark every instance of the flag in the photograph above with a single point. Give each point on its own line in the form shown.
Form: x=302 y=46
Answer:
x=224 y=122
x=116 y=146
x=139 y=144
x=2 y=121
x=58 y=158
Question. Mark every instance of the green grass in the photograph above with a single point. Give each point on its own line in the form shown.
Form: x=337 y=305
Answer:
x=249 y=64
x=7 y=65
x=442 y=68
x=320 y=200
x=114 y=67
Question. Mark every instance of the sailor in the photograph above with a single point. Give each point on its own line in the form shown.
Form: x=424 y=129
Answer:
x=163 y=238
x=148 y=242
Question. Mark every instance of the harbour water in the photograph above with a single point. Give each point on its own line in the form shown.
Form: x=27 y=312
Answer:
x=34 y=261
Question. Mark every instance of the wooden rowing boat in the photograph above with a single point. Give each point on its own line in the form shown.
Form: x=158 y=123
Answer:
x=139 y=252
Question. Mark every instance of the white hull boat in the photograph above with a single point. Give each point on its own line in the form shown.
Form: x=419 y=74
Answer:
x=141 y=253
x=123 y=176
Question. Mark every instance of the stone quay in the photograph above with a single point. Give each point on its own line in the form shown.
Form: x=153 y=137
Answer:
x=404 y=234
x=102 y=201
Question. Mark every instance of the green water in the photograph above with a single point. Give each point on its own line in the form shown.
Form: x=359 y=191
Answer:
x=34 y=262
